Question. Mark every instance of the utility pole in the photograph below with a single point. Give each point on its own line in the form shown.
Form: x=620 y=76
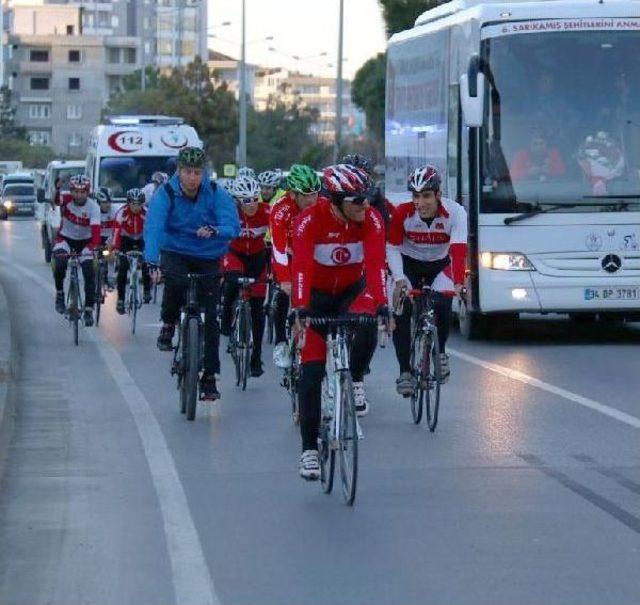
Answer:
x=242 y=148
x=338 y=126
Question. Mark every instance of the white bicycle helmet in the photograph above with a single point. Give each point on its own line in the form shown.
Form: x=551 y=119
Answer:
x=269 y=178
x=245 y=188
x=246 y=171
x=425 y=178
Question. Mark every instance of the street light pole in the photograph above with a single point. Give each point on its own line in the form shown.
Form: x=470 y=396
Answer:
x=338 y=127
x=242 y=147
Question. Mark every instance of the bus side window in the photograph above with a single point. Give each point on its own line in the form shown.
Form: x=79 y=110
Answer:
x=453 y=144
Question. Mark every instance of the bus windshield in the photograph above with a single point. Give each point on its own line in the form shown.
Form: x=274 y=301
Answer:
x=562 y=123
x=64 y=174
x=120 y=174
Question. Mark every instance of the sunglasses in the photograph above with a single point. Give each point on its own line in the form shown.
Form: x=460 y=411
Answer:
x=355 y=199
x=253 y=200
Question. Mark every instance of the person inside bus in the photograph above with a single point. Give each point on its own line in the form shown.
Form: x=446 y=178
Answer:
x=540 y=161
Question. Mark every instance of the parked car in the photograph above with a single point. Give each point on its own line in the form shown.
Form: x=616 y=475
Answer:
x=18 y=199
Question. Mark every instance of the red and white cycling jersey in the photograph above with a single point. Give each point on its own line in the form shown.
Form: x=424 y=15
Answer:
x=283 y=214
x=252 y=231
x=330 y=254
x=79 y=222
x=429 y=241
x=107 y=223
x=129 y=225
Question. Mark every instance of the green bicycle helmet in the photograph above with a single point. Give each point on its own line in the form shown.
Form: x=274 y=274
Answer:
x=303 y=179
x=192 y=157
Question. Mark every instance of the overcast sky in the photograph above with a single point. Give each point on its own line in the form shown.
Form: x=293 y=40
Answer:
x=302 y=28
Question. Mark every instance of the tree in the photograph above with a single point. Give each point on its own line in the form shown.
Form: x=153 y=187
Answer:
x=32 y=156
x=368 y=88
x=280 y=135
x=8 y=127
x=402 y=14
x=194 y=94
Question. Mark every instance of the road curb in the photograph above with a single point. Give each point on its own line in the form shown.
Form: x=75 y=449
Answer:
x=7 y=375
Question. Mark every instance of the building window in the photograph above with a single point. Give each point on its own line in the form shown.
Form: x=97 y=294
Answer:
x=130 y=55
x=74 y=56
x=39 y=56
x=69 y=30
x=39 y=83
x=165 y=47
x=74 y=112
x=114 y=55
x=39 y=112
x=75 y=139
x=74 y=83
x=39 y=137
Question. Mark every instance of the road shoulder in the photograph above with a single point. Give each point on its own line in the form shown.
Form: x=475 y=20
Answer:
x=7 y=375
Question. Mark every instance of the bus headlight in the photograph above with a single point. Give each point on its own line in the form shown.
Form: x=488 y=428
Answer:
x=506 y=261
x=8 y=204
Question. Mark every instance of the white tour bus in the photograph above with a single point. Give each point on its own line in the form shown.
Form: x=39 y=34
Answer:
x=127 y=150
x=531 y=110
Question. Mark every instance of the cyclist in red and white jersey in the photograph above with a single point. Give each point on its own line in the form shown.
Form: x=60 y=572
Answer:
x=107 y=215
x=247 y=257
x=79 y=233
x=337 y=268
x=427 y=246
x=127 y=237
x=304 y=185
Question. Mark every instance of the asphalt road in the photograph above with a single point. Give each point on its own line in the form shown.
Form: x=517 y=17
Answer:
x=528 y=492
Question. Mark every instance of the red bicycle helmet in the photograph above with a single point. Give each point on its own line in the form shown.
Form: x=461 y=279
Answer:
x=79 y=182
x=343 y=180
x=425 y=178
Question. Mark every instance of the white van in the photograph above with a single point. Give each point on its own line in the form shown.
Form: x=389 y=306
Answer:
x=47 y=214
x=127 y=150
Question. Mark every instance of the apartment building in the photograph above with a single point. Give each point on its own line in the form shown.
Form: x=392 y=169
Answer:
x=314 y=92
x=61 y=80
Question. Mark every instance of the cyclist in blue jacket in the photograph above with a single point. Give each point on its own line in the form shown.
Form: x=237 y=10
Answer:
x=188 y=230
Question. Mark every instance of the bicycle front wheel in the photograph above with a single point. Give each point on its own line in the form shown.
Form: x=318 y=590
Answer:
x=99 y=293
x=433 y=374
x=348 y=440
x=74 y=310
x=192 y=367
x=245 y=339
x=417 y=397
x=133 y=306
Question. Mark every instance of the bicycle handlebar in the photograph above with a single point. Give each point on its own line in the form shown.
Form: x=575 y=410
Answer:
x=344 y=320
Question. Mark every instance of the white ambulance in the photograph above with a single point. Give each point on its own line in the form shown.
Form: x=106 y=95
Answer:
x=125 y=151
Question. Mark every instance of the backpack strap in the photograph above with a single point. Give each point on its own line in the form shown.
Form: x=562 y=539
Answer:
x=172 y=197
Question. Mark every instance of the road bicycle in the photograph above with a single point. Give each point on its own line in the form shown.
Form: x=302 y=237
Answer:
x=291 y=375
x=241 y=338
x=270 y=302
x=425 y=355
x=188 y=354
x=75 y=304
x=133 y=298
x=339 y=427
x=102 y=280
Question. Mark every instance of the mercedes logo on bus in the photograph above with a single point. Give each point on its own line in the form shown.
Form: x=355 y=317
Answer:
x=611 y=263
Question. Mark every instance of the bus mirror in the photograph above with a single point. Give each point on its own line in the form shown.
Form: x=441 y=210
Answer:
x=472 y=99
x=40 y=195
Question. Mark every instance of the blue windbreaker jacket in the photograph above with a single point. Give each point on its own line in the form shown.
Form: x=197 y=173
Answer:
x=174 y=228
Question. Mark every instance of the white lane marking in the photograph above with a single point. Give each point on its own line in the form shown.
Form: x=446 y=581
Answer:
x=596 y=406
x=192 y=581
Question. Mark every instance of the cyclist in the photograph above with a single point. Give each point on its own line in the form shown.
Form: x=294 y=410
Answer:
x=270 y=191
x=158 y=179
x=427 y=245
x=247 y=257
x=127 y=237
x=191 y=223
x=375 y=196
x=107 y=215
x=304 y=185
x=80 y=233
x=338 y=267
